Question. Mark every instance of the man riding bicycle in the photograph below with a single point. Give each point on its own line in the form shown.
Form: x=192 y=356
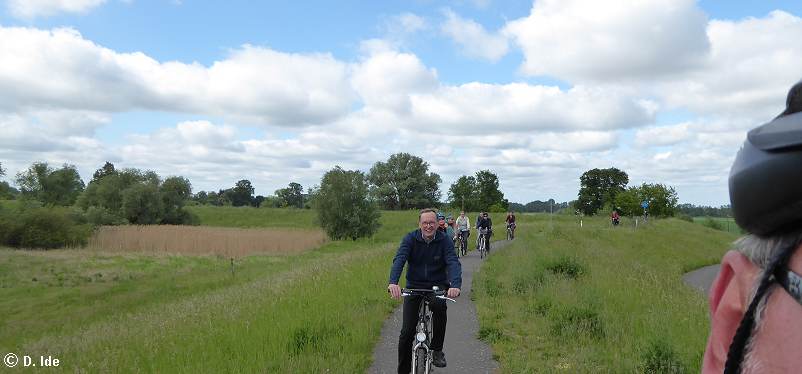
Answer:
x=432 y=262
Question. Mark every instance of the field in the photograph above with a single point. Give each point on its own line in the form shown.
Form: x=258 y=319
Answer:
x=321 y=309
x=720 y=223
x=598 y=298
x=194 y=240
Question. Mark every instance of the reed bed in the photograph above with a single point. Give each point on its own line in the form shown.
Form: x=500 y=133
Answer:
x=200 y=240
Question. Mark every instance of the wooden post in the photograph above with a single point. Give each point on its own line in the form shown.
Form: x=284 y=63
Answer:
x=232 y=266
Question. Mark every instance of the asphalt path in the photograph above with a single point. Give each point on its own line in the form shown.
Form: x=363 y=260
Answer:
x=702 y=278
x=465 y=353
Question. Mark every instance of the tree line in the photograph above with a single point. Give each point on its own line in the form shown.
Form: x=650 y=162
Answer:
x=604 y=190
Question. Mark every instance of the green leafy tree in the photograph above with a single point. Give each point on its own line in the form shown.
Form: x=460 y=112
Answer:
x=51 y=186
x=106 y=170
x=344 y=210
x=662 y=199
x=404 y=182
x=175 y=191
x=142 y=204
x=291 y=196
x=241 y=194
x=488 y=194
x=463 y=194
x=599 y=187
x=628 y=202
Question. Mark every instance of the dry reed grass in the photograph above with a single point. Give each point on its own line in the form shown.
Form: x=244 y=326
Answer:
x=203 y=240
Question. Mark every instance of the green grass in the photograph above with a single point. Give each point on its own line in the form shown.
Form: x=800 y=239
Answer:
x=320 y=311
x=597 y=299
x=719 y=223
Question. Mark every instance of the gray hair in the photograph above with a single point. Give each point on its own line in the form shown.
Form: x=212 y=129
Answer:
x=761 y=251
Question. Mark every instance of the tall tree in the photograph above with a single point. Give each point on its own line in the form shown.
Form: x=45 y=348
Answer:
x=2 y=171
x=242 y=193
x=343 y=207
x=463 y=194
x=292 y=195
x=404 y=182
x=488 y=194
x=106 y=170
x=598 y=187
x=51 y=186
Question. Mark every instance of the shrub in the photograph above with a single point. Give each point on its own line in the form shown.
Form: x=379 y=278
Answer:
x=685 y=217
x=713 y=224
x=99 y=216
x=566 y=266
x=344 y=210
x=44 y=228
x=659 y=357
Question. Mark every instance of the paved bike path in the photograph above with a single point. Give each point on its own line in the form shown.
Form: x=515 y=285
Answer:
x=465 y=353
x=702 y=278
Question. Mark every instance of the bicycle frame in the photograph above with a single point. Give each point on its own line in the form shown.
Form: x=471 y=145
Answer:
x=423 y=334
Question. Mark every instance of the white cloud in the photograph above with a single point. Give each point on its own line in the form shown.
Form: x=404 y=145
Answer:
x=28 y=9
x=474 y=40
x=523 y=107
x=752 y=65
x=59 y=68
x=589 y=40
x=661 y=135
x=387 y=78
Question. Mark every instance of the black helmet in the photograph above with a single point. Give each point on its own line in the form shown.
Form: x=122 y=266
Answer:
x=766 y=177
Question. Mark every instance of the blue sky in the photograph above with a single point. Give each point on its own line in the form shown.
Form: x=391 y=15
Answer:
x=278 y=92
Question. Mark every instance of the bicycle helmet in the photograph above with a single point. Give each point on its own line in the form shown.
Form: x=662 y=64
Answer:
x=766 y=178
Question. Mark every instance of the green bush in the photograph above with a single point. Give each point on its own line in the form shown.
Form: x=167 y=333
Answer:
x=566 y=266
x=713 y=224
x=659 y=357
x=44 y=228
x=344 y=210
x=685 y=217
x=99 y=216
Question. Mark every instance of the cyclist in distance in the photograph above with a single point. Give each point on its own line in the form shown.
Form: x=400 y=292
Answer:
x=478 y=221
x=431 y=261
x=511 y=222
x=441 y=222
x=615 y=218
x=486 y=223
x=450 y=232
x=463 y=227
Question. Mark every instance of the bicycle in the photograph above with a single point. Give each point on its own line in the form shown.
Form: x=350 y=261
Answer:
x=462 y=243
x=421 y=353
x=482 y=243
x=511 y=231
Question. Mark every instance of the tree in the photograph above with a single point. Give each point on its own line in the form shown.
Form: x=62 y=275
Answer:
x=291 y=196
x=142 y=204
x=628 y=202
x=463 y=194
x=599 y=187
x=106 y=170
x=403 y=182
x=51 y=186
x=488 y=194
x=175 y=191
x=2 y=172
x=344 y=210
x=241 y=194
x=662 y=199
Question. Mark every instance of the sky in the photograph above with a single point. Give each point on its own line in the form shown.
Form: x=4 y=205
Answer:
x=278 y=91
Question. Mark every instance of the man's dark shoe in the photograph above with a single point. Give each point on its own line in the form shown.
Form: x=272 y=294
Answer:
x=439 y=359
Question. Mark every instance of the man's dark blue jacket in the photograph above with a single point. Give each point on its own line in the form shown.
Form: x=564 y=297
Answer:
x=430 y=264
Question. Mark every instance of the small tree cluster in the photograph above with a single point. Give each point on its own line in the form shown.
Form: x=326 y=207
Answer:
x=404 y=182
x=478 y=193
x=662 y=200
x=343 y=207
x=137 y=197
x=50 y=186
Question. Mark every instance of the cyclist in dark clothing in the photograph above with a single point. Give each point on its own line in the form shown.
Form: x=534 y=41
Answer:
x=432 y=262
x=486 y=223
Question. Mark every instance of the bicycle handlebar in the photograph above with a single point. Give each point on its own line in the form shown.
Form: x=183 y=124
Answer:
x=422 y=292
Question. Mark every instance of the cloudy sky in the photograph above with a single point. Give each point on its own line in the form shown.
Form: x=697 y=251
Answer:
x=537 y=92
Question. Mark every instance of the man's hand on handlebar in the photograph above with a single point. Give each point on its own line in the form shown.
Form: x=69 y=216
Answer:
x=395 y=291
x=453 y=292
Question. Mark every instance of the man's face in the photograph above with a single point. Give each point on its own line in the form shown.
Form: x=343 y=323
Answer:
x=462 y=214
x=776 y=343
x=428 y=224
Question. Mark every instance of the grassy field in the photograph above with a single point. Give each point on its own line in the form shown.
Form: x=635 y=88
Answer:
x=720 y=223
x=560 y=298
x=597 y=298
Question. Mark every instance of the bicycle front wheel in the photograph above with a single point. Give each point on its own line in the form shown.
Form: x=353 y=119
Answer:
x=421 y=362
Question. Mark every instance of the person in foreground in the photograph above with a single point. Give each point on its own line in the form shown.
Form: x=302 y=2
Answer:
x=756 y=299
x=432 y=262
